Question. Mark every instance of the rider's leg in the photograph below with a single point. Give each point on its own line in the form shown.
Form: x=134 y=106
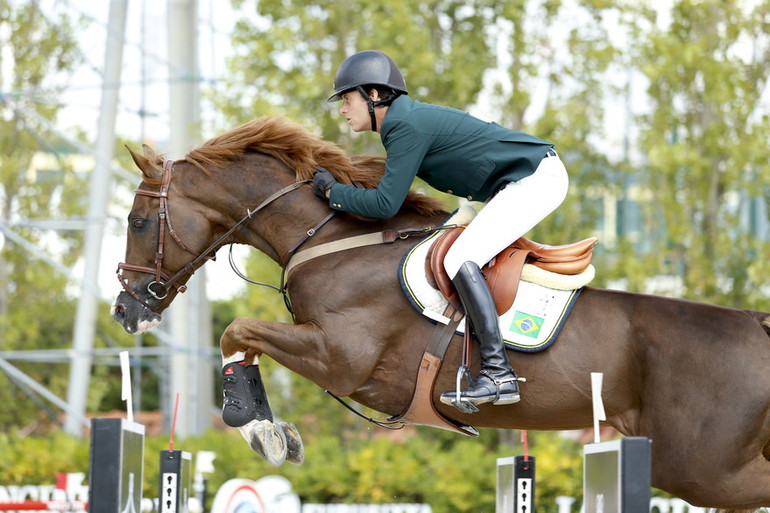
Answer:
x=511 y=213
x=496 y=382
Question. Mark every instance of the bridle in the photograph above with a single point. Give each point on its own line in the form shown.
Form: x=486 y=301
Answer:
x=159 y=287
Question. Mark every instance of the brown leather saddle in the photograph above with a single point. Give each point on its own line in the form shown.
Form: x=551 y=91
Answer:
x=502 y=274
x=504 y=271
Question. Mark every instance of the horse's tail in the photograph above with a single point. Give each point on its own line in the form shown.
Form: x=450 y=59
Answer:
x=763 y=318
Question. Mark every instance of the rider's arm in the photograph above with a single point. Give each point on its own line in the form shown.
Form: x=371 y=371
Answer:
x=405 y=148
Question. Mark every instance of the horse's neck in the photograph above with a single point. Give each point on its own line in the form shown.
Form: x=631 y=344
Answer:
x=236 y=194
x=283 y=223
x=277 y=229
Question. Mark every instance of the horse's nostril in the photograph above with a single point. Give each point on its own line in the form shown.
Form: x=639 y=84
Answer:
x=118 y=311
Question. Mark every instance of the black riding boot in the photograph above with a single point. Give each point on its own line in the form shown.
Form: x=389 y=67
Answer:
x=496 y=382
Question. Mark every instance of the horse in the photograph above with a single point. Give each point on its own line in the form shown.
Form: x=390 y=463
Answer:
x=690 y=376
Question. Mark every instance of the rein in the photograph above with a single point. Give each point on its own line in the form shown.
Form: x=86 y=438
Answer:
x=159 y=287
x=284 y=269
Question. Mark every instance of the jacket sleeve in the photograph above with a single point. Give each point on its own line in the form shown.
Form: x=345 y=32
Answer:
x=405 y=147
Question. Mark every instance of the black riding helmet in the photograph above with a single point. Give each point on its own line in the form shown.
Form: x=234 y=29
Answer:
x=368 y=68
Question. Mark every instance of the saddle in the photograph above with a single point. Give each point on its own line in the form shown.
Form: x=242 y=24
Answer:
x=504 y=271
x=502 y=274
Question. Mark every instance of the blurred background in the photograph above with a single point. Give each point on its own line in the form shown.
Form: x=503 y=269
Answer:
x=659 y=109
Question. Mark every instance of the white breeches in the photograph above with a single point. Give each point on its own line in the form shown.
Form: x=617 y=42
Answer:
x=508 y=215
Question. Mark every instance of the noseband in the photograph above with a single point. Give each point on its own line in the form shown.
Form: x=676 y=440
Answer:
x=158 y=288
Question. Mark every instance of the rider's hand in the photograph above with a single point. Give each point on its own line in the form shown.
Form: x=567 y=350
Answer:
x=322 y=181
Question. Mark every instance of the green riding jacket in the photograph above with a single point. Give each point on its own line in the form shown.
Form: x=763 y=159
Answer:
x=449 y=149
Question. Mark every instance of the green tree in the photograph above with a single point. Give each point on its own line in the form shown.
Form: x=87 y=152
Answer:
x=35 y=311
x=705 y=141
x=288 y=52
x=38 y=184
x=561 y=62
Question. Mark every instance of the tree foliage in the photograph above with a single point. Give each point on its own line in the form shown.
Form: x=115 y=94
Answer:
x=372 y=468
x=563 y=72
x=39 y=185
x=35 y=307
x=704 y=140
x=288 y=52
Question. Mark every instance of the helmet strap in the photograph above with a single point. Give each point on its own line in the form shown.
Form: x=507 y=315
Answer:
x=371 y=104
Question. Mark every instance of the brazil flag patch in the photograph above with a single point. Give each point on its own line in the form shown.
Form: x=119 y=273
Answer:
x=526 y=324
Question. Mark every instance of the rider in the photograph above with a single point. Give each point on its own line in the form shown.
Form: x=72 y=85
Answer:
x=519 y=176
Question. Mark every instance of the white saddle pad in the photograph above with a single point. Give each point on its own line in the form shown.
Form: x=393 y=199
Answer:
x=531 y=324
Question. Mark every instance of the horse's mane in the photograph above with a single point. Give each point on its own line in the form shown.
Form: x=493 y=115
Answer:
x=302 y=151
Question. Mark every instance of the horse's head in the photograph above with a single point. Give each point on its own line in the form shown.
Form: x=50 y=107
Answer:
x=163 y=246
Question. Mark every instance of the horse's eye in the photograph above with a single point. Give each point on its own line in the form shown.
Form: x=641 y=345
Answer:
x=137 y=224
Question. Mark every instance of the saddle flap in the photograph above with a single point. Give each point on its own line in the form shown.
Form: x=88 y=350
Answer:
x=503 y=274
x=434 y=266
x=504 y=271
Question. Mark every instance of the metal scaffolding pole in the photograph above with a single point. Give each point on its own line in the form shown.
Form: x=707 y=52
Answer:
x=190 y=326
x=98 y=195
x=18 y=376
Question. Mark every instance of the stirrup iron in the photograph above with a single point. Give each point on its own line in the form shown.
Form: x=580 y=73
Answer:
x=462 y=404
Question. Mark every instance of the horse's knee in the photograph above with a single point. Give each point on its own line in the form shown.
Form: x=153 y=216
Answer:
x=232 y=338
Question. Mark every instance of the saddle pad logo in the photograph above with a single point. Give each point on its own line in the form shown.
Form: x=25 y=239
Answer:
x=526 y=324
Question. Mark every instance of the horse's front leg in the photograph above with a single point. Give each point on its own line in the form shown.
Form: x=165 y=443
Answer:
x=246 y=406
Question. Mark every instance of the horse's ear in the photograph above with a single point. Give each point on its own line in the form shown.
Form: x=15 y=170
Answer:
x=149 y=153
x=146 y=162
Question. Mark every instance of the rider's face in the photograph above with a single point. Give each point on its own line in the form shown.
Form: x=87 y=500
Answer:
x=356 y=111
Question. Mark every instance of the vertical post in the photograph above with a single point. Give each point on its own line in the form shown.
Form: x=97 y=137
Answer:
x=190 y=316
x=524 y=484
x=175 y=479
x=617 y=476
x=98 y=195
x=515 y=485
x=116 y=466
x=204 y=464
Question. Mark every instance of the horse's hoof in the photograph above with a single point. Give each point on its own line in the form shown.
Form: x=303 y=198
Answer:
x=266 y=439
x=295 y=451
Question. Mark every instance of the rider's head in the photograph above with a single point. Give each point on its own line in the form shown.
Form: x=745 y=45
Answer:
x=369 y=71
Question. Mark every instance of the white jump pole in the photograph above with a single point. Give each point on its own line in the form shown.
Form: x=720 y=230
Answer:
x=596 y=394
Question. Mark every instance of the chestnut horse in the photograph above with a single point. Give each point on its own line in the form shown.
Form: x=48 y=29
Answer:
x=693 y=377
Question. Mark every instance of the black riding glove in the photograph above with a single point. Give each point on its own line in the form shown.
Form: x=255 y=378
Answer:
x=322 y=180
